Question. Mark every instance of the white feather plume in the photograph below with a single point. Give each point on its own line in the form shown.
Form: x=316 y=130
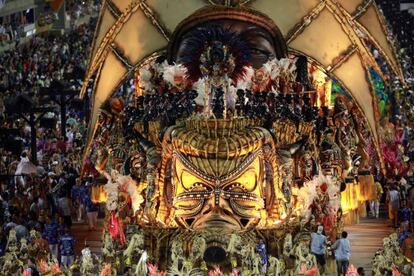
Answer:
x=308 y=193
x=111 y=189
x=200 y=87
x=292 y=67
x=173 y=71
x=145 y=76
x=123 y=183
x=159 y=67
x=267 y=67
x=246 y=81
x=142 y=267
x=127 y=184
x=284 y=64
x=274 y=68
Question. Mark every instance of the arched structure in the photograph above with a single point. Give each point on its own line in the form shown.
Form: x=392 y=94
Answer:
x=334 y=33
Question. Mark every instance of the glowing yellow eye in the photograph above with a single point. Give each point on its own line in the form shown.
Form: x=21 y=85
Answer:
x=247 y=180
x=184 y=180
x=188 y=180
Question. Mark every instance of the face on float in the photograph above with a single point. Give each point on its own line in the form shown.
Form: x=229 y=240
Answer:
x=229 y=203
x=261 y=45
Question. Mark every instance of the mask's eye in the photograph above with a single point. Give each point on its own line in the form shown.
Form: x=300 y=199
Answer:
x=236 y=188
x=258 y=56
x=199 y=187
x=259 y=52
x=246 y=182
x=189 y=181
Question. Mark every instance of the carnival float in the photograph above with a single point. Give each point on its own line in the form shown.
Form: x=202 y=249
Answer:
x=252 y=123
x=236 y=143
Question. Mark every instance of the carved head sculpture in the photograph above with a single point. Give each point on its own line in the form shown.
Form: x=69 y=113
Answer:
x=213 y=170
x=219 y=174
x=250 y=36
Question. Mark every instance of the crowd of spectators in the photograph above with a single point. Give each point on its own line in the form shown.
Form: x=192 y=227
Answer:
x=401 y=23
x=77 y=8
x=397 y=188
x=11 y=29
x=11 y=26
x=43 y=195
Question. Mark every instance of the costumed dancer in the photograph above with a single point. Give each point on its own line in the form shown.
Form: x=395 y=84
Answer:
x=261 y=249
x=375 y=203
x=67 y=249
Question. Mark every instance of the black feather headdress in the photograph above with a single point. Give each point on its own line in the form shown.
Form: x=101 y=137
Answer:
x=198 y=40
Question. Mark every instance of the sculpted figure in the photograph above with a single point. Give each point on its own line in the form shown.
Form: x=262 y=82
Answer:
x=135 y=246
x=12 y=243
x=347 y=140
x=177 y=254
x=197 y=249
x=285 y=161
x=235 y=244
x=303 y=257
x=363 y=138
x=247 y=253
x=39 y=246
x=307 y=166
x=330 y=155
x=256 y=265
x=137 y=165
x=8 y=263
x=288 y=245
x=87 y=267
x=24 y=249
x=287 y=254
x=274 y=266
x=101 y=155
x=286 y=186
x=108 y=250
x=117 y=149
x=151 y=191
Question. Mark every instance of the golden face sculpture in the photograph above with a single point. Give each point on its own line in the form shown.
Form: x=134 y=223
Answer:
x=202 y=201
x=222 y=179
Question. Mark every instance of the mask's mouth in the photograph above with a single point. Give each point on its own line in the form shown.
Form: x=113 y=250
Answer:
x=214 y=254
x=219 y=221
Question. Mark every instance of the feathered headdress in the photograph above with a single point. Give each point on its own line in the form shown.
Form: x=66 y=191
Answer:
x=245 y=82
x=200 y=38
x=274 y=68
x=309 y=192
x=176 y=76
x=288 y=68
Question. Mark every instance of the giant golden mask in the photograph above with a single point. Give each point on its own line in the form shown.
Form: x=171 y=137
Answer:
x=219 y=174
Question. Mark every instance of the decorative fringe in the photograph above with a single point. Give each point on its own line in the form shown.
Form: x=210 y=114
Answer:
x=362 y=209
x=349 y=197
x=368 y=189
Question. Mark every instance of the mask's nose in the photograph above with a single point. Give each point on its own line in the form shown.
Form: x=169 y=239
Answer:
x=221 y=205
